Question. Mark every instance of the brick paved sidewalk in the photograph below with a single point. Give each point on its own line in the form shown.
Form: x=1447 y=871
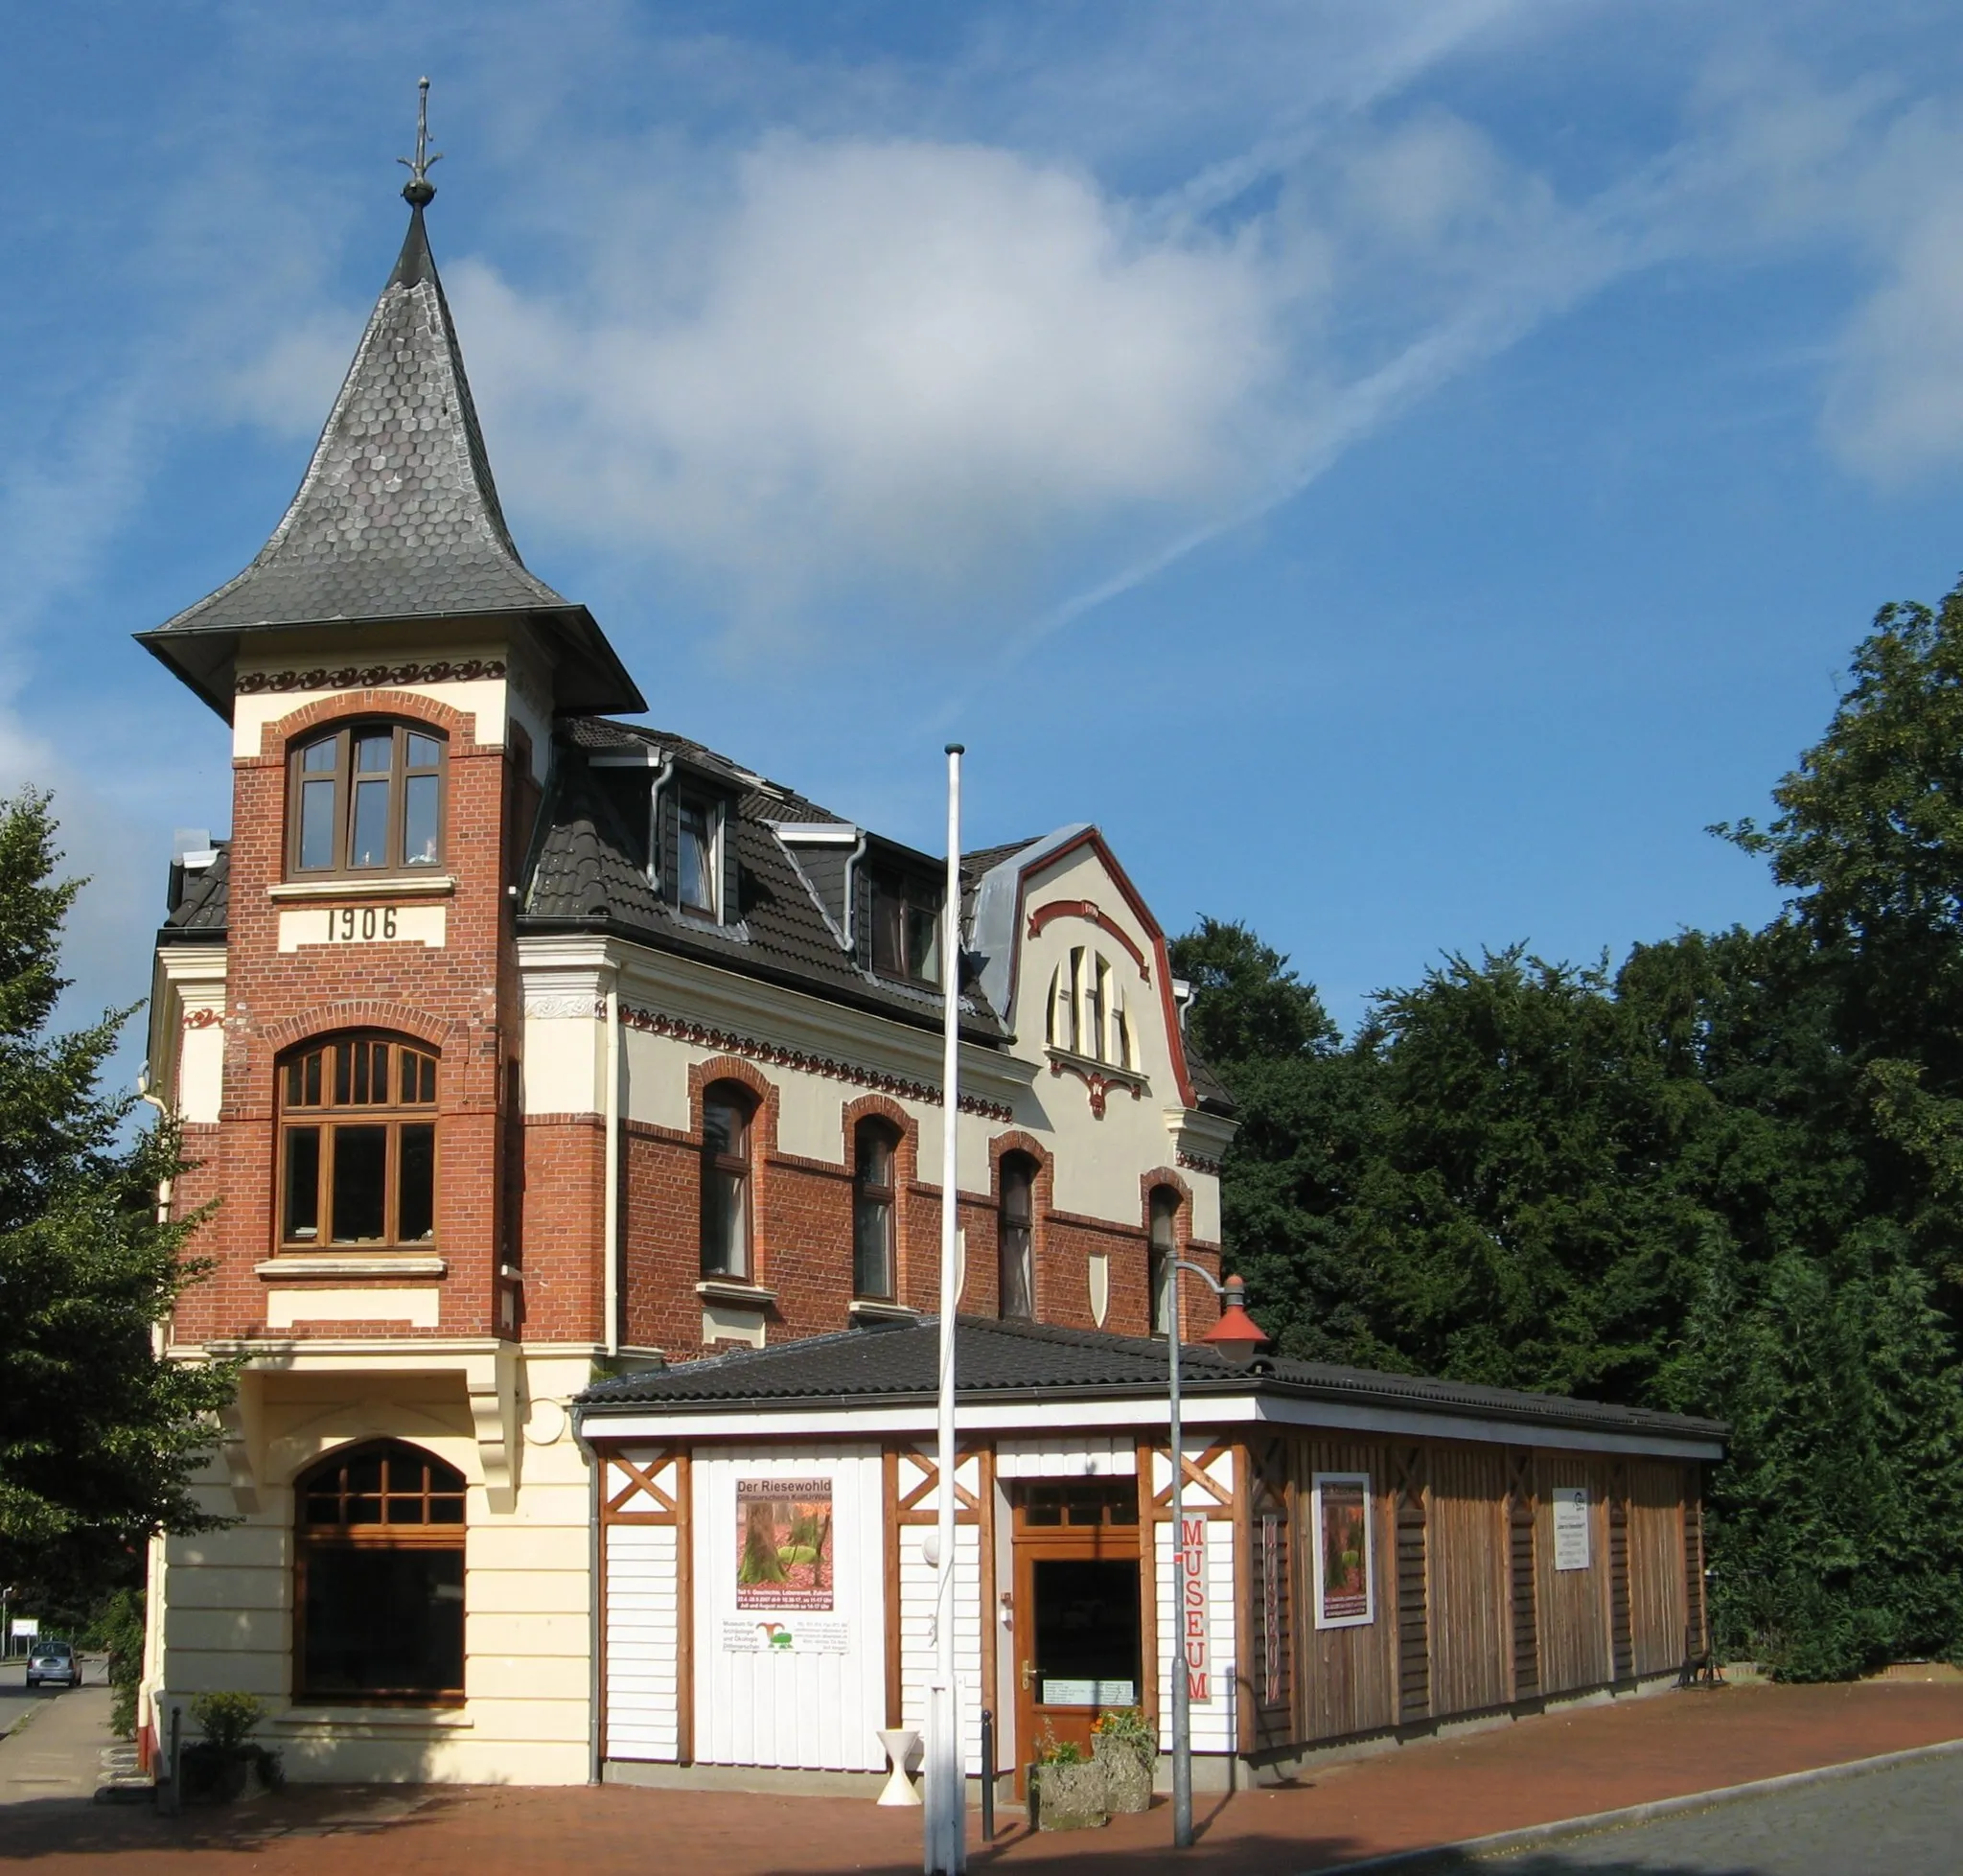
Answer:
x=1541 y=1768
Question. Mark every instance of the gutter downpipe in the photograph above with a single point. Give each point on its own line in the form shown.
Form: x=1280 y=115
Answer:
x=612 y=1225
x=852 y=860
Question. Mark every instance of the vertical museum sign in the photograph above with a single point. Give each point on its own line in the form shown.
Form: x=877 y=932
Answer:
x=1194 y=1627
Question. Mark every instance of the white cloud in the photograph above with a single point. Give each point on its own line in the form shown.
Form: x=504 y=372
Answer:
x=900 y=364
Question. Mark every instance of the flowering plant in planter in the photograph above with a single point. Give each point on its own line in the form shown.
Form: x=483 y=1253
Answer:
x=1067 y=1791
x=1123 y=1742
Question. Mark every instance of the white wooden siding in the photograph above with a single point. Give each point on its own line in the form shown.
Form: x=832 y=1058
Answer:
x=642 y=1712
x=1214 y=1728
x=1082 y=1455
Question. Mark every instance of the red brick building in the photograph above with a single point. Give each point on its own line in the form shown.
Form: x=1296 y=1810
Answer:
x=516 y=1042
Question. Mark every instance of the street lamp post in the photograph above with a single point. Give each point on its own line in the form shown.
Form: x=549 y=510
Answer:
x=1235 y=1337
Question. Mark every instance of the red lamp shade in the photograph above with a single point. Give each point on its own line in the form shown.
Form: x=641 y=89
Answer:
x=1236 y=1335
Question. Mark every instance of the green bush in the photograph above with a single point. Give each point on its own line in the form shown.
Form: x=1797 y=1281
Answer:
x=227 y=1720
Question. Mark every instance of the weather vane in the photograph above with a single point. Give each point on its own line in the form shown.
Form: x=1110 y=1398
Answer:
x=419 y=190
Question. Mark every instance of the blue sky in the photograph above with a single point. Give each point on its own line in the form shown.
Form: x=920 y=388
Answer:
x=1403 y=470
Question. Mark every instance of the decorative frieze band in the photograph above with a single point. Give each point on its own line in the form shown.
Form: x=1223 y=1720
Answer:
x=1199 y=1163
x=367 y=676
x=702 y=1035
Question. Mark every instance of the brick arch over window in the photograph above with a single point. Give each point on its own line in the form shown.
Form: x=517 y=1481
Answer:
x=1173 y=1241
x=1027 y=1146
x=458 y=725
x=760 y=1151
x=881 y=1212
x=358 y=1013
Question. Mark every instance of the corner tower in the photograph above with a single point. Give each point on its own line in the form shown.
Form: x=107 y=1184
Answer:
x=337 y=1024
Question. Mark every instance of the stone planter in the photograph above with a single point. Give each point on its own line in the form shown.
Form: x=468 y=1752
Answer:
x=1071 y=1796
x=1127 y=1772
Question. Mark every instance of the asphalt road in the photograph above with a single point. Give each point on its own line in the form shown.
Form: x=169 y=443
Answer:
x=15 y=1701
x=1904 y=1822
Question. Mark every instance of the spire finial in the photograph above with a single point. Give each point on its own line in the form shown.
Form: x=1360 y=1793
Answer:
x=419 y=191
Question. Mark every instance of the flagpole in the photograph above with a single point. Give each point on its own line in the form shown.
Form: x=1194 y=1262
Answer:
x=945 y=1815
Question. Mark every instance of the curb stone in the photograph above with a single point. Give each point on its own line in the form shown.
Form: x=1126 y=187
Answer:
x=1536 y=1837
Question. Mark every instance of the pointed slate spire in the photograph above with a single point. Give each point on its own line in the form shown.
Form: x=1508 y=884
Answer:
x=397 y=518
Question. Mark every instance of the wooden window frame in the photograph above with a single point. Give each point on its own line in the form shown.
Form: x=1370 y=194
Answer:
x=908 y=894
x=1023 y=1166
x=342 y=735
x=311 y=1540
x=742 y=1165
x=1158 y=1304
x=328 y=1116
x=716 y=821
x=864 y=1190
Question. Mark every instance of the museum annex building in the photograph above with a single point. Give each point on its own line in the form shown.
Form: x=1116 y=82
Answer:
x=570 y=1096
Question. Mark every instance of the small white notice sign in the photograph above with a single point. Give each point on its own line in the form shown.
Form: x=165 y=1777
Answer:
x=790 y=1634
x=25 y=1628
x=1571 y=1527
x=1089 y=1693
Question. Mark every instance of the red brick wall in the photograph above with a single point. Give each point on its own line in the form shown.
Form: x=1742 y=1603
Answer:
x=802 y=1234
x=454 y=999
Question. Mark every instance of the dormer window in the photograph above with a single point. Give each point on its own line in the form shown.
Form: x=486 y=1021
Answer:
x=906 y=928
x=366 y=797
x=698 y=856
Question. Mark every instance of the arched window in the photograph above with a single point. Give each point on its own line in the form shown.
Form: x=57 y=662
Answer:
x=1016 y=1236
x=1162 y=1249
x=727 y=1110
x=357 y=1144
x=874 y=1146
x=1087 y=1015
x=379 y=1590
x=365 y=798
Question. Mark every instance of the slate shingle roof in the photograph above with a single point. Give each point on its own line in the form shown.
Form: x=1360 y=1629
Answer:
x=397 y=517
x=397 y=514
x=202 y=902
x=1000 y=1360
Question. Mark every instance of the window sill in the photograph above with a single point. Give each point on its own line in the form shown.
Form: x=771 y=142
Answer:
x=320 y=1263
x=728 y=1290
x=873 y=1309
x=450 y=1718
x=355 y=886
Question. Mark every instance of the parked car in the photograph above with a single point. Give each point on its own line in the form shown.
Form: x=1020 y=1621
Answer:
x=54 y=1661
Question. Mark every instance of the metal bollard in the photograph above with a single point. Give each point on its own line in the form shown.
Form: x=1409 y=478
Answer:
x=987 y=1775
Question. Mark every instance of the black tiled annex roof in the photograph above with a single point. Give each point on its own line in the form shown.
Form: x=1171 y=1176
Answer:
x=199 y=914
x=1009 y=1360
x=583 y=875
x=397 y=517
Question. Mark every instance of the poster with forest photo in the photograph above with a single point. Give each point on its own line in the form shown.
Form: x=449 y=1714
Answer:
x=1343 y=1550
x=784 y=1544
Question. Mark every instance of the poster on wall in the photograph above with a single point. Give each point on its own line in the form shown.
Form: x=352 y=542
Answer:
x=1571 y=1527
x=784 y=1544
x=1343 y=1551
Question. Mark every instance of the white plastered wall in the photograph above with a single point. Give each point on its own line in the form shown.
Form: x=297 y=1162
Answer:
x=225 y=1599
x=491 y=703
x=1098 y=1161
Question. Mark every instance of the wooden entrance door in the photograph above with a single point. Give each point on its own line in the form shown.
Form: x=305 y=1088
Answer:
x=1076 y=1610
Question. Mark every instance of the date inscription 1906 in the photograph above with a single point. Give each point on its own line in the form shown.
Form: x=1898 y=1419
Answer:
x=352 y=924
